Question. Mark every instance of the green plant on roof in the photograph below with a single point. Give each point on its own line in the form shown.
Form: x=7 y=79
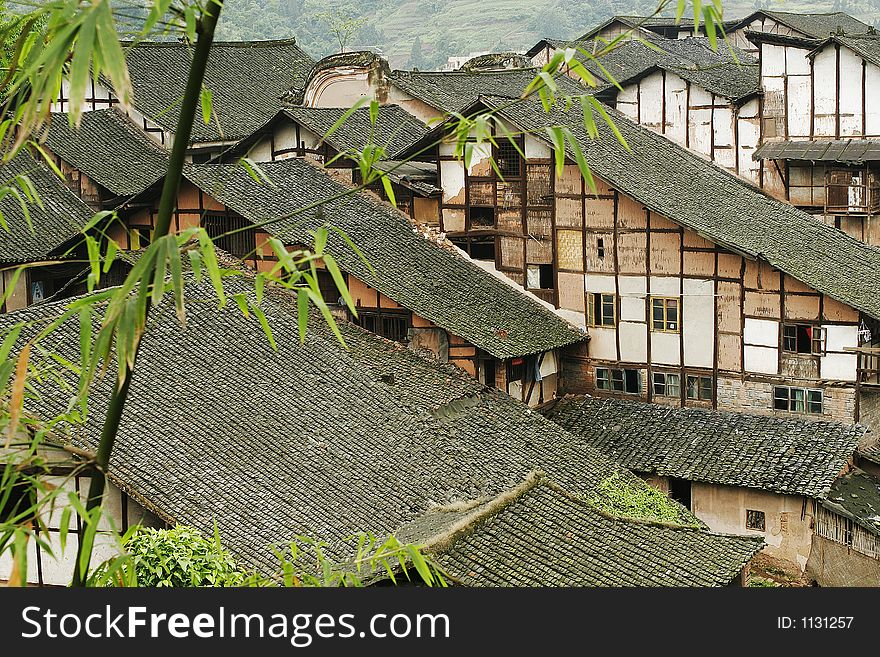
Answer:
x=618 y=497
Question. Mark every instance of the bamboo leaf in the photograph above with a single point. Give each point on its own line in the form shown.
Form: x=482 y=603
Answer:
x=328 y=316
x=582 y=162
x=209 y=258
x=339 y=280
x=110 y=52
x=110 y=256
x=80 y=65
x=241 y=302
x=610 y=122
x=177 y=280
x=207 y=101
x=389 y=190
x=261 y=316
x=17 y=398
x=558 y=139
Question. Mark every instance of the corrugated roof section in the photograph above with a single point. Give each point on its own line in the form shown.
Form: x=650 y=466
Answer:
x=850 y=151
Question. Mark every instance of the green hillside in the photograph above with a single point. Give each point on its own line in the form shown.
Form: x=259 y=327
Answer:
x=457 y=27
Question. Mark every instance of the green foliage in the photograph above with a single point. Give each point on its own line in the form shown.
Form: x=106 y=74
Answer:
x=756 y=582
x=618 y=497
x=180 y=557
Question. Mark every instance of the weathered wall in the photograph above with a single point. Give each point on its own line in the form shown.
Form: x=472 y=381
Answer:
x=788 y=519
x=833 y=564
x=731 y=310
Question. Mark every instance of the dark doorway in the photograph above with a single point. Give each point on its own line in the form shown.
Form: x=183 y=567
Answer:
x=680 y=491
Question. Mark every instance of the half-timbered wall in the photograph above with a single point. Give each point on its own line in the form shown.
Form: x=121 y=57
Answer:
x=56 y=568
x=505 y=219
x=722 y=316
x=697 y=119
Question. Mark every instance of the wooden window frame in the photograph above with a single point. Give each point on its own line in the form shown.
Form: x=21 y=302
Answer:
x=603 y=300
x=665 y=321
x=795 y=396
x=378 y=316
x=616 y=380
x=699 y=379
x=756 y=520
x=663 y=382
x=817 y=339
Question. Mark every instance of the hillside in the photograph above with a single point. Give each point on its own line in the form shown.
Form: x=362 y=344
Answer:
x=424 y=34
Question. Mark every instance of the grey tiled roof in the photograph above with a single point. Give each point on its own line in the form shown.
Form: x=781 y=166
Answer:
x=782 y=455
x=455 y=90
x=544 y=536
x=856 y=496
x=855 y=151
x=110 y=150
x=693 y=59
x=312 y=439
x=62 y=217
x=866 y=46
x=717 y=204
x=443 y=287
x=395 y=127
x=817 y=25
x=247 y=80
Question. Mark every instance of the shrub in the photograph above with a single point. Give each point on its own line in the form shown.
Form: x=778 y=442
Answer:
x=180 y=557
x=618 y=497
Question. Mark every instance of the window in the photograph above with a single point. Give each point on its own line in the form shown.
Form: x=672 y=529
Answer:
x=601 y=309
x=140 y=237
x=667 y=385
x=327 y=286
x=664 y=314
x=803 y=339
x=394 y=326
x=600 y=247
x=755 y=520
x=699 y=387
x=233 y=234
x=539 y=277
x=508 y=158
x=618 y=380
x=518 y=370
x=797 y=400
x=481 y=217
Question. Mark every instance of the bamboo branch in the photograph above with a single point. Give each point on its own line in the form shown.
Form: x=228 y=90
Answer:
x=205 y=30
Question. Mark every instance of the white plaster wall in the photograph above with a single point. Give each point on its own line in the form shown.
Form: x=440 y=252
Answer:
x=825 y=73
x=665 y=348
x=600 y=283
x=633 y=341
x=452 y=179
x=748 y=136
x=676 y=109
x=651 y=101
x=341 y=87
x=698 y=322
x=850 y=93
x=872 y=100
x=537 y=148
x=603 y=343
x=763 y=332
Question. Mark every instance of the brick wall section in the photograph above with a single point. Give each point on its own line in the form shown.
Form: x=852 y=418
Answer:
x=735 y=394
